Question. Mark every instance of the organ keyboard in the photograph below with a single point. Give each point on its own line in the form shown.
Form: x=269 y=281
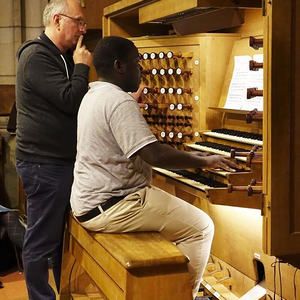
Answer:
x=236 y=136
x=216 y=148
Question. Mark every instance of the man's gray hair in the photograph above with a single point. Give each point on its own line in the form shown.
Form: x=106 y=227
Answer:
x=54 y=7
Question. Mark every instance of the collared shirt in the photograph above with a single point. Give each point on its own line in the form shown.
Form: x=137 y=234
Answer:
x=111 y=129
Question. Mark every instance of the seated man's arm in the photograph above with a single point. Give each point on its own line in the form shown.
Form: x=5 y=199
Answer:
x=164 y=156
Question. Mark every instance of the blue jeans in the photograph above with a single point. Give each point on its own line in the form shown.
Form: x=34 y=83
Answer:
x=48 y=189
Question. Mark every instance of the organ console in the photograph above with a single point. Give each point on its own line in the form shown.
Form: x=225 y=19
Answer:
x=184 y=127
x=255 y=207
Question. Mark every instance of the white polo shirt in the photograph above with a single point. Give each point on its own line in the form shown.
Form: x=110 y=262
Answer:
x=111 y=129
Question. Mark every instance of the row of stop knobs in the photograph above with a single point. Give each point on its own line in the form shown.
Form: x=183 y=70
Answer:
x=169 y=71
x=163 y=55
x=165 y=90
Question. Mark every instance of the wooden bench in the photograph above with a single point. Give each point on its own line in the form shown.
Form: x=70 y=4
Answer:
x=132 y=266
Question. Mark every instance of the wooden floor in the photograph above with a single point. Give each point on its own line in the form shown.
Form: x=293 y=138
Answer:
x=14 y=287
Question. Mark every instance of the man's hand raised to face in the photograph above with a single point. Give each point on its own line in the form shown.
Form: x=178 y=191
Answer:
x=81 y=55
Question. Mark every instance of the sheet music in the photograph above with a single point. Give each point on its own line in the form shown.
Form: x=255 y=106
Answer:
x=243 y=78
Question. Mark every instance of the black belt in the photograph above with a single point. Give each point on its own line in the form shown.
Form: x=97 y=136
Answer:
x=96 y=211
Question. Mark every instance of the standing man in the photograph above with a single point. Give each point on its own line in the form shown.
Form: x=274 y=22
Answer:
x=115 y=150
x=50 y=84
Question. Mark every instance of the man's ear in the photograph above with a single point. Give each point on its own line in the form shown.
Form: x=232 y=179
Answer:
x=119 y=66
x=56 y=21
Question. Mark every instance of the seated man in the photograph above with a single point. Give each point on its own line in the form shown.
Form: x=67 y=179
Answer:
x=115 y=150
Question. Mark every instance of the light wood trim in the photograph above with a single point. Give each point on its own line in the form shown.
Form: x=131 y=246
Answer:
x=99 y=276
x=166 y=8
x=150 y=267
x=124 y=6
x=239 y=199
x=283 y=129
x=267 y=167
x=161 y=283
x=99 y=254
x=230 y=111
x=230 y=3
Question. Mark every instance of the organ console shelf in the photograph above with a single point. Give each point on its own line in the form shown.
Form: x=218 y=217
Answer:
x=250 y=115
x=230 y=110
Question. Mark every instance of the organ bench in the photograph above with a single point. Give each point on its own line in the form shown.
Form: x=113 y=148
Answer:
x=135 y=266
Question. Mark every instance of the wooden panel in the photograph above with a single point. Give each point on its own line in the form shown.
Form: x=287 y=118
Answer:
x=99 y=254
x=210 y=21
x=210 y=56
x=123 y=6
x=240 y=199
x=230 y=3
x=7 y=98
x=166 y=8
x=93 y=10
x=130 y=27
x=150 y=266
x=161 y=283
x=101 y=278
x=282 y=223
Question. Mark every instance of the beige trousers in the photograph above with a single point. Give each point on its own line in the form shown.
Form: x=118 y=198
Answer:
x=151 y=209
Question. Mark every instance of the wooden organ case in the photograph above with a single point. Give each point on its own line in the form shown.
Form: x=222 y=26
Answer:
x=187 y=79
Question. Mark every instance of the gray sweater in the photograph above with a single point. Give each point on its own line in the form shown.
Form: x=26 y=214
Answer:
x=48 y=102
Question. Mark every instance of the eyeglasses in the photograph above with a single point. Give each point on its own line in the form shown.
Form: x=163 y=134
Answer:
x=79 y=21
